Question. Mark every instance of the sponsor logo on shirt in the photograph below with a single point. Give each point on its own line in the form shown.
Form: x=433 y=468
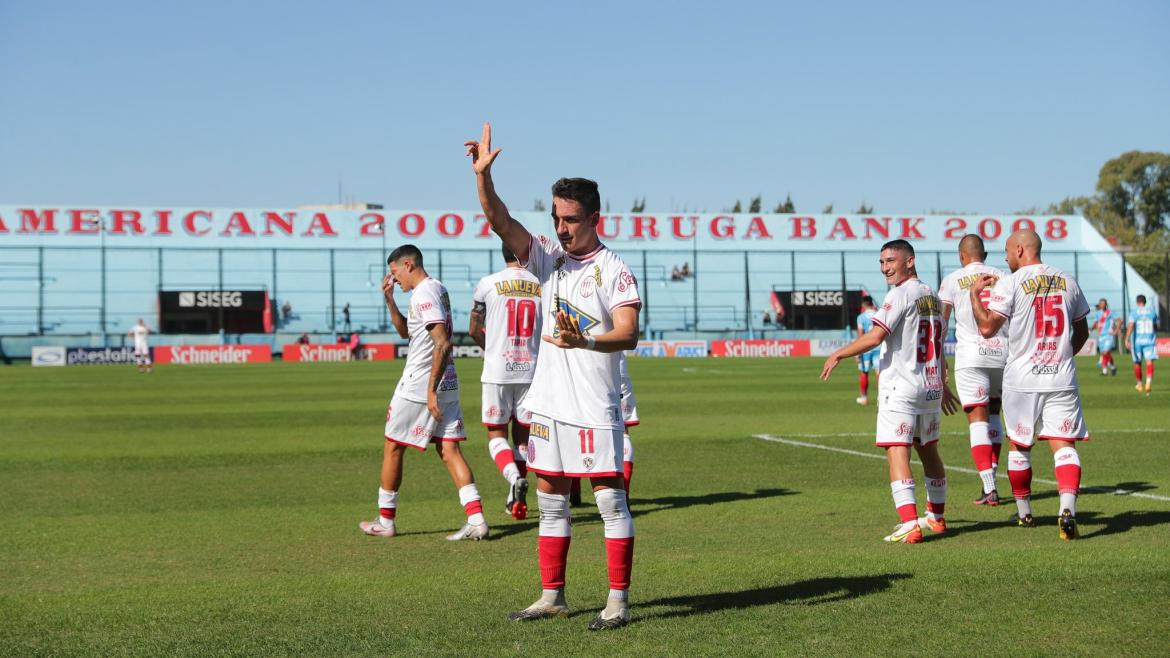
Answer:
x=584 y=320
x=517 y=288
x=538 y=430
x=626 y=281
x=928 y=306
x=1043 y=284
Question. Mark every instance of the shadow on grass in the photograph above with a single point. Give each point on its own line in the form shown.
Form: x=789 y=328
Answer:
x=815 y=591
x=1119 y=489
x=638 y=505
x=1119 y=523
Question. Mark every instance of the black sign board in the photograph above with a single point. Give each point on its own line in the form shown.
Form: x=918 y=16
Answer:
x=208 y=311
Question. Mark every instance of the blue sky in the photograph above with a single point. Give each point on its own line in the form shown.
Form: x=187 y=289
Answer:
x=987 y=107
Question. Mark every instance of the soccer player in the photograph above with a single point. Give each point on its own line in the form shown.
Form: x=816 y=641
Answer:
x=425 y=406
x=979 y=363
x=1046 y=314
x=1107 y=327
x=505 y=322
x=1142 y=343
x=867 y=362
x=575 y=396
x=630 y=419
x=141 y=349
x=912 y=390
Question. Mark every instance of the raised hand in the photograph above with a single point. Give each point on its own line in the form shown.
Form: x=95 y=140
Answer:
x=482 y=155
x=388 y=286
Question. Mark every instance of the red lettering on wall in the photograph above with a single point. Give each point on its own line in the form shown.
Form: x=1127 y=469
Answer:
x=33 y=222
x=124 y=218
x=320 y=222
x=238 y=222
x=874 y=227
x=1023 y=224
x=842 y=226
x=956 y=228
x=85 y=221
x=3 y=228
x=163 y=222
x=373 y=224
x=450 y=225
x=282 y=221
x=804 y=228
x=411 y=225
x=1057 y=229
x=990 y=228
x=910 y=228
x=485 y=231
x=189 y=222
x=645 y=226
x=757 y=230
x=676 y=227
x=722 y=227
x=617 y=226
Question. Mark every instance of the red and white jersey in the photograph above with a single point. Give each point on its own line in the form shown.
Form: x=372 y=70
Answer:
x=911 y=365
x=578 y=386
x=972 y=349
x=140 y=332
x=512 y=319
x=1041 y=304
x=429 y=305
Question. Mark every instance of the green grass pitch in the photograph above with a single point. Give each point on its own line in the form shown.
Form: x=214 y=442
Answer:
x=213 y=511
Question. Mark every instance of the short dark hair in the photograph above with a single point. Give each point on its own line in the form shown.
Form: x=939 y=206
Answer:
x=899 y=245
x=581 y=190
x=867 y=300
x=509 y=257
x=1141 y=299
x=406 y=251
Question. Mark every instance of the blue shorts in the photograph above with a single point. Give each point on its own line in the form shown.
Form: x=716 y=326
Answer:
x=868 y=362
x=1144 y=353
x=1106 y=343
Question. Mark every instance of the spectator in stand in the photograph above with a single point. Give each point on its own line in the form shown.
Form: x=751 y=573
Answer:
x=345 y=325
x=676 y=274
x=304 y=339
x=286 y=311
x=767 y=319
x=686 y=270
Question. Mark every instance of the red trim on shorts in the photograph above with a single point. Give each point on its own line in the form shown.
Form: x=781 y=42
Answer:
x=544 y=472
x=408 y=445
x=520 y=423
x=916 y=439
x=969 y=407
x=631 y=423
x=891 y=445
x=591 y=475
x=1020 y=445
x=1062 y=438
x=496 y=426
x=447 y=439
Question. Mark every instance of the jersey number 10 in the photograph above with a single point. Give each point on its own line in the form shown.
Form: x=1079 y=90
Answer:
x=521 y=317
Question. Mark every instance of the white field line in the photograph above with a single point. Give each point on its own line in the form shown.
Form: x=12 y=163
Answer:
x=857 y=453
x=1131 y=430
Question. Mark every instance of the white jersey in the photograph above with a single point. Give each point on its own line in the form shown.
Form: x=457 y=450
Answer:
x=140 y=332
x=579 y=386
x=512 y=319
x=911 y=364
x=972 y=349
x=1041 y=303
x=429 y=305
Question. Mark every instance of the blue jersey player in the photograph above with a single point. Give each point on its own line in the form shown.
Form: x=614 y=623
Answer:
x=867 y=362
x=1141 y=342
x=1107 y=326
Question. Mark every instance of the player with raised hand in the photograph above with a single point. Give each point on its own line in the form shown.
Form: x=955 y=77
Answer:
x=912 y=390
x=425 y=406
x=1046 y=313
x=505 y=322
x=1142 y=342
x=1107 y=326
x=979 y=363
x=867 y=362
x=592 y=300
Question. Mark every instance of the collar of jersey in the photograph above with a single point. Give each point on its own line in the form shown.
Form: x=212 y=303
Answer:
x=587 y=256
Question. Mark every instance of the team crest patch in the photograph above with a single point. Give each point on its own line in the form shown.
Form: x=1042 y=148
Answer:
x=587 y=462
x=584 y=320
x=586 y=287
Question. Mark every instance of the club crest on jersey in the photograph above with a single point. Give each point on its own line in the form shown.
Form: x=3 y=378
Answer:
x=586 y=287
x=587 y=462
x=584 y=320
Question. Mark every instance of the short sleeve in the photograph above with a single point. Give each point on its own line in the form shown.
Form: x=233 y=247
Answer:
x=945 y=294
x=1001 y=296
x=1078 y=307
x=427 y=306
x=481 y=291
x=542 y=256
x=889 y=315
x=622 y=287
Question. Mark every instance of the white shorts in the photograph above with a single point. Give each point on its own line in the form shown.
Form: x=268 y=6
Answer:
x=556 y=448
x=978 y=386
x=902 y=428
x=1029 y=416
x=411 y=424
x=503 y=403
x=630 y=408
x=142 y=350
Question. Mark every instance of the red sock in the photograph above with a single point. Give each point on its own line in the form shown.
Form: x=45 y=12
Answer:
x=388 y=512
x=619 y=554
x=983 y=456
x=863 y=382
x=1068 y=478
x=1137 y=372
x=552 y=553
x=996 y=449
x=627 y=474
x=1149 y=369
x=1108 y=359
x=502 y=459
x=908 y=513
x=474 y=507
x=1021 y=482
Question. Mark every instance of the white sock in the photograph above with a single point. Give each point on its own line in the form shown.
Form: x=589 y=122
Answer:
x=469 y=494
x=386 y=499
x=1068 y=501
